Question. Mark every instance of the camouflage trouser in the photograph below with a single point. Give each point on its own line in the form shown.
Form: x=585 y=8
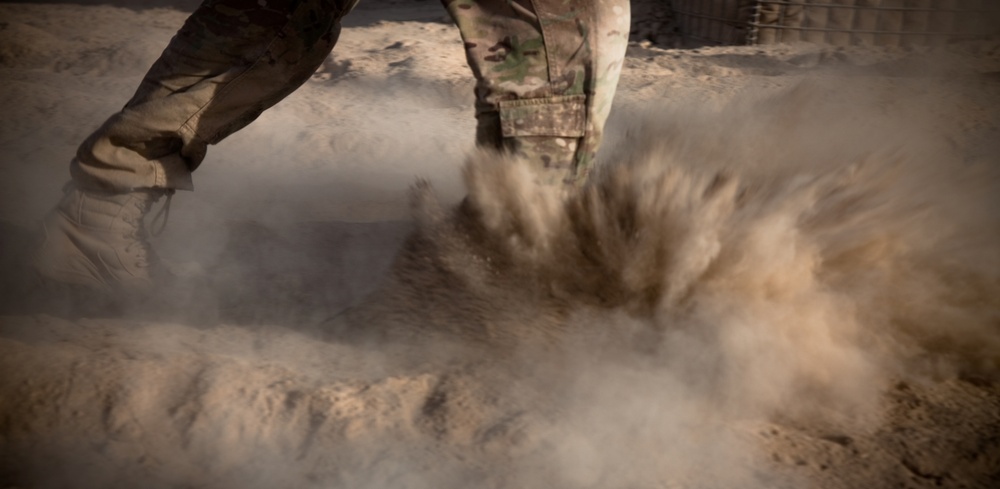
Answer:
x=546 y=70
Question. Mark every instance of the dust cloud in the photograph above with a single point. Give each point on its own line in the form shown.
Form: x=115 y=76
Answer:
x=784 y=258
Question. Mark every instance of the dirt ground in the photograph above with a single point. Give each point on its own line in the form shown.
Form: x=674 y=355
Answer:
x=786 y=273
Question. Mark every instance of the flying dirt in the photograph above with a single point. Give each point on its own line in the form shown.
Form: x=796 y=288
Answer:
x=785 y=273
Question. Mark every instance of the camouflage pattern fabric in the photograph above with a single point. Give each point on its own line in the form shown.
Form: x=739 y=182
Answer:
x=546 y=71
x=230 y=61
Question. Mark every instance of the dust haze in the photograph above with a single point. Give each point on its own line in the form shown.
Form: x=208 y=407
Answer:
x=785 y=273
x=783 y=257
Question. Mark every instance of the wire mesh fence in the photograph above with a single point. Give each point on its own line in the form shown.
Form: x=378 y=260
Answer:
x=836 y=22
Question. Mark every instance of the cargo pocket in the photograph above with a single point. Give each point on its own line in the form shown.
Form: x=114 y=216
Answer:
x=561 y=116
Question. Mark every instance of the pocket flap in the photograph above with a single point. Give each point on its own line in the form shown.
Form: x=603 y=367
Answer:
x=562 y=116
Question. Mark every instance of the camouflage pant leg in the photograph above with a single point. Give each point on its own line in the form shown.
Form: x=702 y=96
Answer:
x=230 y=61
x=547 y=71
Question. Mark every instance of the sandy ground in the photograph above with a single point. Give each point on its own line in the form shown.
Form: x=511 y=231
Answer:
x=786 y=274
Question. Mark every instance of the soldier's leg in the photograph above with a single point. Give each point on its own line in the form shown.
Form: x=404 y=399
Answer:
x=230 y=61
x=547 y=71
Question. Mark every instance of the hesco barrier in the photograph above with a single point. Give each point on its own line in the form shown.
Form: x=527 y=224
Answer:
x=836 y=22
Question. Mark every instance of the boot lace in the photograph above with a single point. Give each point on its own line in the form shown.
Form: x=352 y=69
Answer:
x=138 y=246
x=163 y=213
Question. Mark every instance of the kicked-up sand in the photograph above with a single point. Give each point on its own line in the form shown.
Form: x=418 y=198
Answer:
x=785 y=273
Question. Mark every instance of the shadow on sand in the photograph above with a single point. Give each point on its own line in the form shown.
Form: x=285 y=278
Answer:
x=300 y=275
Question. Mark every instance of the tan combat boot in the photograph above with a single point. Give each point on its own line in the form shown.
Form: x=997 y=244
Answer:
x=99 y=241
